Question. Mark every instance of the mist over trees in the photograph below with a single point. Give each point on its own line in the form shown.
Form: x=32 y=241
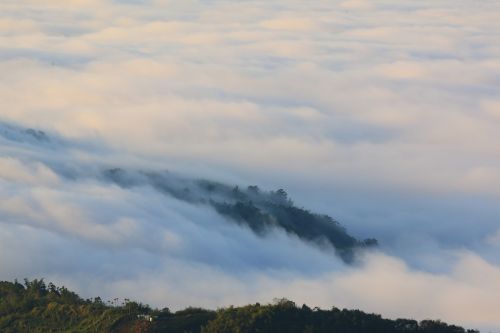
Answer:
x=37 y=307
x=261 y=211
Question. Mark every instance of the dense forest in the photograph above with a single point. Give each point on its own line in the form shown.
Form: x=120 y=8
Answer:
x=34 y=306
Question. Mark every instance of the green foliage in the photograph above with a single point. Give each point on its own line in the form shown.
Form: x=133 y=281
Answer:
x=188 y=320
x=263 y=211
x=245 y=213
x=37 y=307
x=285 y=316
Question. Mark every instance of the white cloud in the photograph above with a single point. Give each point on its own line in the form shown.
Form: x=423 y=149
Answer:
x=381 y=113
x=33 y=173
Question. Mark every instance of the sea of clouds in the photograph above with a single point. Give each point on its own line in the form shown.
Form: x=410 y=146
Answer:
x=381 y=113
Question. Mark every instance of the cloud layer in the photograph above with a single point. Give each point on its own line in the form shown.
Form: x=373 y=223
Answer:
x=380 y=113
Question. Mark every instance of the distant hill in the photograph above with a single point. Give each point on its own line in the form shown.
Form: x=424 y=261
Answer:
x=37 y=307
x=260 y=210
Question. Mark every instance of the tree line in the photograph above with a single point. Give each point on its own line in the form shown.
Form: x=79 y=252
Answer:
x=37 y=307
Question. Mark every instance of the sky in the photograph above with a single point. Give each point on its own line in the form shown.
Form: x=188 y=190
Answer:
x=383 y=114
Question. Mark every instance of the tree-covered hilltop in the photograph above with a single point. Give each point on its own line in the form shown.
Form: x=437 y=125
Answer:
x=261 y=211
x=285 y=316
x=37 y=307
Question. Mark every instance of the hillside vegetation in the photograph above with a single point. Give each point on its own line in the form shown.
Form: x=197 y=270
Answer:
x=36 y=307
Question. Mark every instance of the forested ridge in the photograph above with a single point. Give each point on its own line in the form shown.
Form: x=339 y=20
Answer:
x=34 y=306
x=260 y=210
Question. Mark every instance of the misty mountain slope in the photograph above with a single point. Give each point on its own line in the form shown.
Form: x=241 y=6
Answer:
x=259 y=210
